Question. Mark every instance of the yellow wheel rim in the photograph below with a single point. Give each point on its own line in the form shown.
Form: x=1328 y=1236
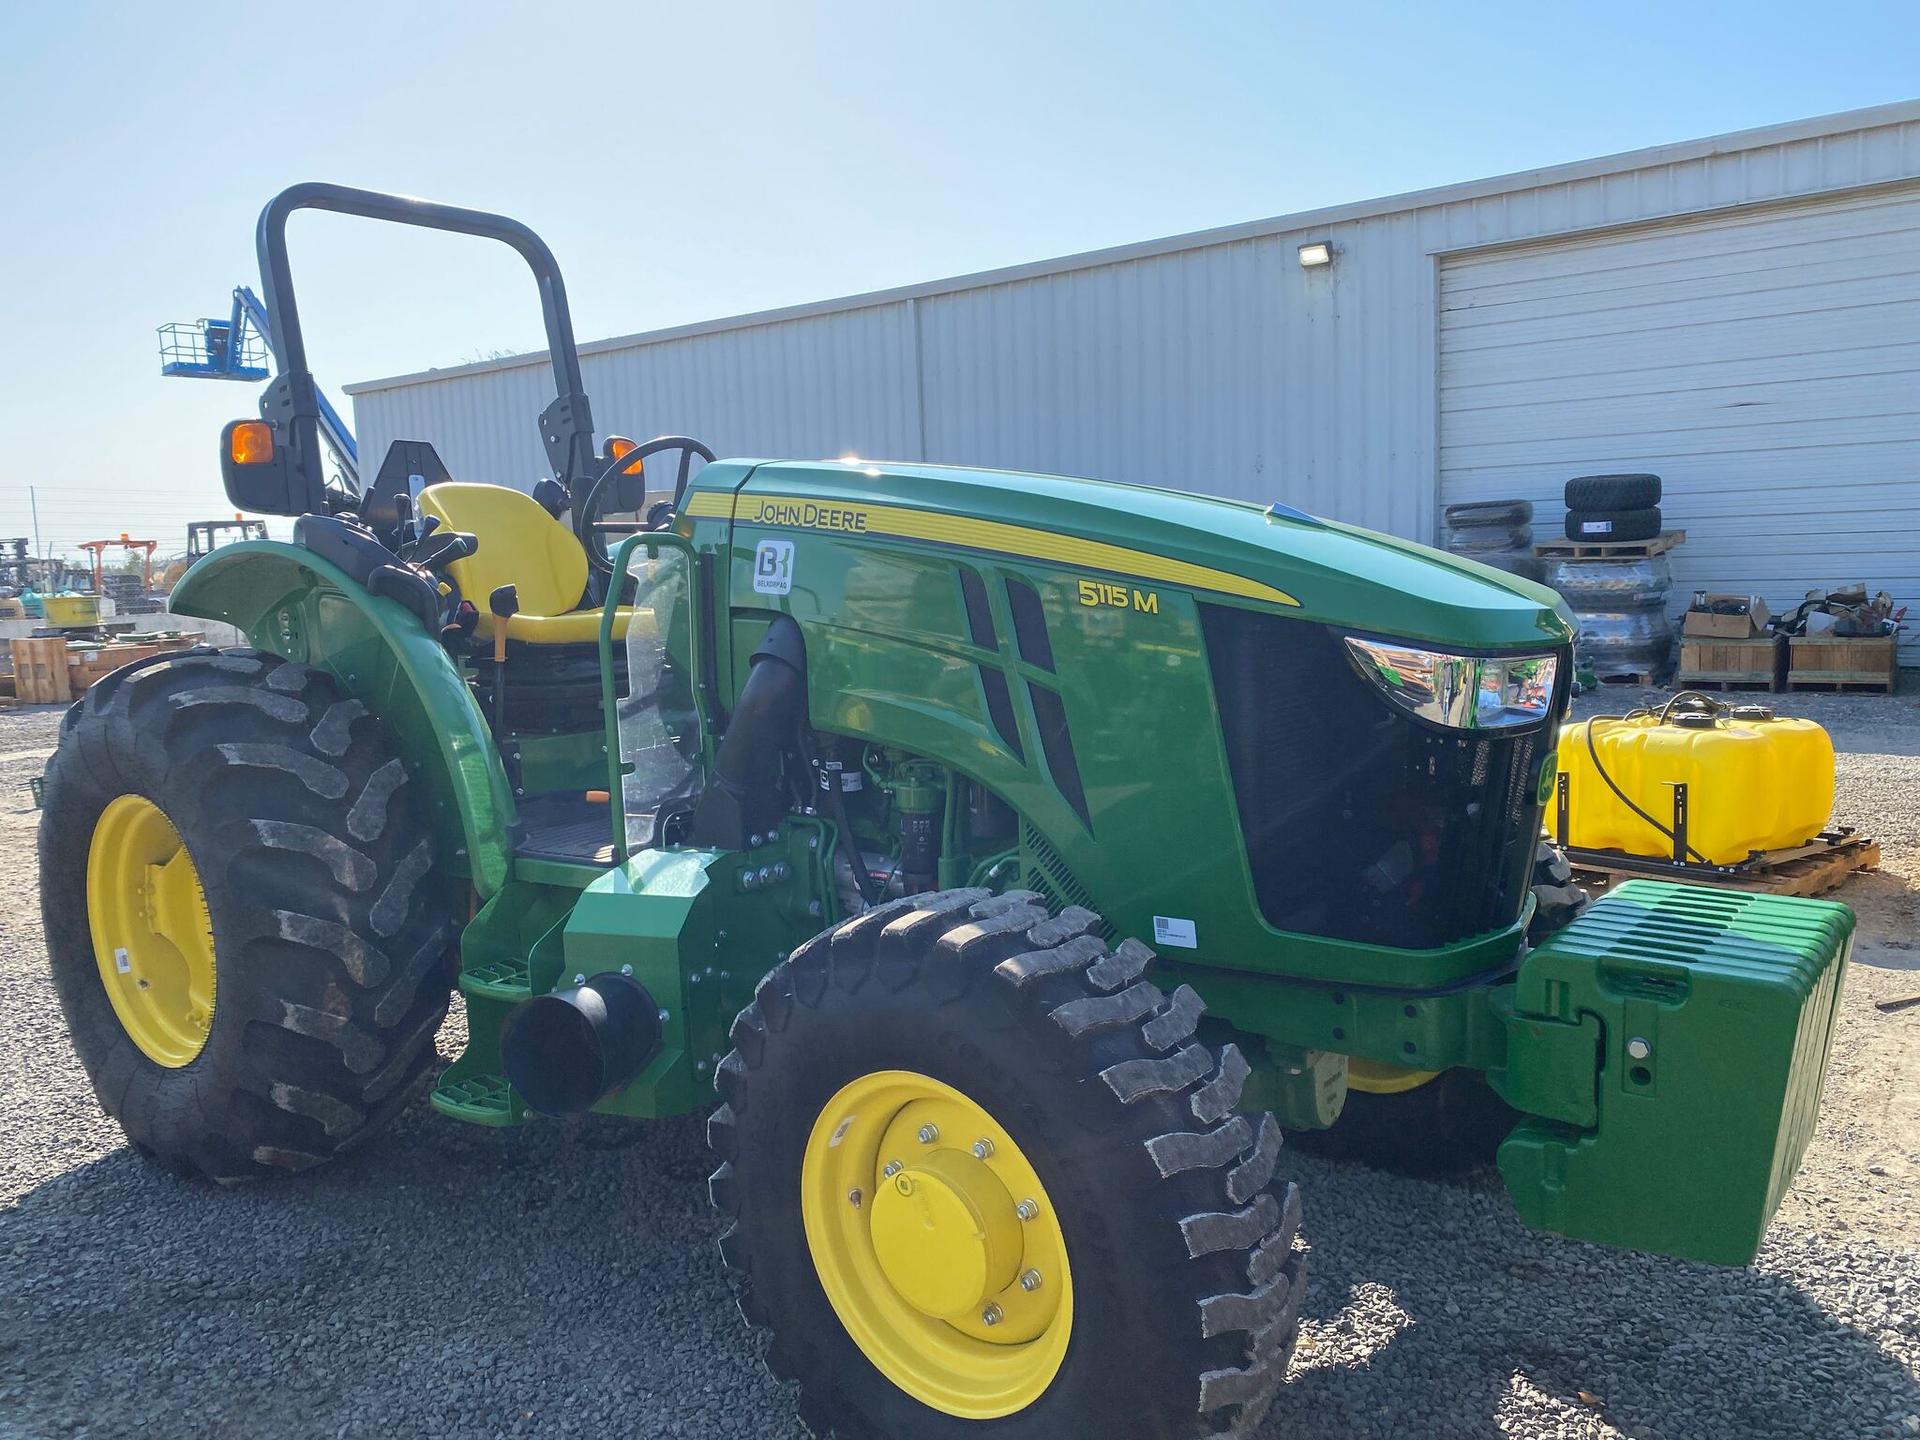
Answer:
x=152 y=938
x=1370 y=1077
x=937 y=1245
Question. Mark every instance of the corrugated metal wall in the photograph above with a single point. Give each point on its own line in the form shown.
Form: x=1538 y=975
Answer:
x=1766 y=364
x=1210 y=362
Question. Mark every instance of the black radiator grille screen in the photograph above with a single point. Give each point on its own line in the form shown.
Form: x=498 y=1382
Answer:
x=1360 y=822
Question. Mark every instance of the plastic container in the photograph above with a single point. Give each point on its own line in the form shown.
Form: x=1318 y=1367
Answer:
x=72 y=609
x=1754 y=782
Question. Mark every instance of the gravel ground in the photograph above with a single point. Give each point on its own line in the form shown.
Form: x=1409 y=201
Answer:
x=561 y=1280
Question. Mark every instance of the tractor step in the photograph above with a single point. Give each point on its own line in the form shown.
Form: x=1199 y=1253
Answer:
x=478 y=1098
x=503 y=977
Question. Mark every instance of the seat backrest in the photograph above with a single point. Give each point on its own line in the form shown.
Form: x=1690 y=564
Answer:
x=520 y=544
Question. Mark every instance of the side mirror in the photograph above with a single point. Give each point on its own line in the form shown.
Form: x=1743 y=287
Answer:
x=256 y=468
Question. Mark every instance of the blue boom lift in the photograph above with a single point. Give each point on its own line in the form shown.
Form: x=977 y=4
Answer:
x=237 y=348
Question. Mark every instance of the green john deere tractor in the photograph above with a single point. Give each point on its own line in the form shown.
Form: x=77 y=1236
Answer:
x=844 y=789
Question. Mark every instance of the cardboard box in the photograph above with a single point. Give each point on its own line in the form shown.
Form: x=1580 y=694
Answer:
x=1751 y=620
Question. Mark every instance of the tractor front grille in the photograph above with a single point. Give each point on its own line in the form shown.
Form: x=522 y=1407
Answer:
x=1360 y=822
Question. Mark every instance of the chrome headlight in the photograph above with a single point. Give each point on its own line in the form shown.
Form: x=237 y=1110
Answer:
x=1466 y=692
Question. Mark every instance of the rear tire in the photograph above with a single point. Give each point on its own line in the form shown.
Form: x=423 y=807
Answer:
x=1186 y=1284
x=1600 y=527
x=332 y=950
x=1613 y=492
x=1475 y=514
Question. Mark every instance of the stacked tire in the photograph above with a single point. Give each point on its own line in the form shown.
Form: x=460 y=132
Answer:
x=1620 y=604
x=1608 y=508
x=1494 y=532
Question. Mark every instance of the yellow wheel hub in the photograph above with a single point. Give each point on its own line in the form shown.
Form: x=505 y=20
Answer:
x=1370 y=1077
x=937 y=1245
x=152 y=938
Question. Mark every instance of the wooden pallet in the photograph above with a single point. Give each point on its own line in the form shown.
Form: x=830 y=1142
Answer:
x=1609 y=549
x=1806 y=870
x=1697 y=681
x=1841 y=687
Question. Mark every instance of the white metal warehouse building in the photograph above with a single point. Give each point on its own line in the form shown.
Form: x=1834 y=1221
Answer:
x=1740 y=315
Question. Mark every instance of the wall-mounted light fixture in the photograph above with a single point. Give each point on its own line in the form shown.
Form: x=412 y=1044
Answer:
x=1315 y=254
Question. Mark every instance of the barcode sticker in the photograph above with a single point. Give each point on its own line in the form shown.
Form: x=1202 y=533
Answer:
x=1171 y=930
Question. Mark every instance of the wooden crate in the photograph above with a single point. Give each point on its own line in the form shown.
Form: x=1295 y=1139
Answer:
x=1609 y=549
x=40 y=670
x=84 y=667
x=1756 y=663
x=1834 y=662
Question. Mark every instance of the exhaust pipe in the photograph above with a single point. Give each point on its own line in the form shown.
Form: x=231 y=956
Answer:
x=566 y=1051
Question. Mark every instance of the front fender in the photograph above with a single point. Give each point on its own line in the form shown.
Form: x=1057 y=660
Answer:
x=290 y=601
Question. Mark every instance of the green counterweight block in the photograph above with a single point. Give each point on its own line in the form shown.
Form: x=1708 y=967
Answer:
x=1716 y=1013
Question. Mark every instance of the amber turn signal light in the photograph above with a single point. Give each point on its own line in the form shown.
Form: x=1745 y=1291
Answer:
x=618 y=445
x=250 y=442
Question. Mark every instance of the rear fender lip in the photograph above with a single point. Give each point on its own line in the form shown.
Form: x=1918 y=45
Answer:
x=377 y=651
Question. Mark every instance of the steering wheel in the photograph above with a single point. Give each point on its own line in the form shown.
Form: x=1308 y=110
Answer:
x=591 y=540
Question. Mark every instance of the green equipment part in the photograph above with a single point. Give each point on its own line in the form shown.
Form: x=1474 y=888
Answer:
x=1007 y=861
x=1715 y=1011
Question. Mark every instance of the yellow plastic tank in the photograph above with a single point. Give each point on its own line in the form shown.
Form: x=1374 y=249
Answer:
x=1755 y=781
x=73 y=609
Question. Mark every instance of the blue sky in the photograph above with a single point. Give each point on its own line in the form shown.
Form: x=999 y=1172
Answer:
x=693 y=161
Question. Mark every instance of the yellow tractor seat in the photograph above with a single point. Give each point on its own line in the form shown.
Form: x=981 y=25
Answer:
x=520 y=545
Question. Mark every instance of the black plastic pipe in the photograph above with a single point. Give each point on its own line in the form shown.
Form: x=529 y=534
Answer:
x=566 y=1051
x=742 y=794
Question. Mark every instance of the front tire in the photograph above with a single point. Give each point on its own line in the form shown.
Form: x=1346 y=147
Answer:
x=240 y=909
x=1154 y=1207
x=1414 y=1122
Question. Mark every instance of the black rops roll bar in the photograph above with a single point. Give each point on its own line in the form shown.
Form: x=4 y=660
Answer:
x=566 y=425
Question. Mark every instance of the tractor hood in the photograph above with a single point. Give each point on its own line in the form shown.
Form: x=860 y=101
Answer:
x=1317 y=569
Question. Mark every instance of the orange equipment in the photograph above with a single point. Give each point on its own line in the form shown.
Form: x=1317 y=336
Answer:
x=98 y=549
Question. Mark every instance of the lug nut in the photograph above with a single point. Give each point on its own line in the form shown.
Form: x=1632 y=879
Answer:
x=853 y=1198
x=893 y=1169
x=929 y=1134
x=1026 y=1209
x=1030 y=1281
x=992 y=1315
x=982 y=1149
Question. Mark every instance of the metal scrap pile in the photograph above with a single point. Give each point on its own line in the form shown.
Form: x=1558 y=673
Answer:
x=1845 y=613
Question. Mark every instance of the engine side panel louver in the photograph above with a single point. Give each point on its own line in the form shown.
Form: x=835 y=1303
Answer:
x=1056 y=743
x=1029 y=624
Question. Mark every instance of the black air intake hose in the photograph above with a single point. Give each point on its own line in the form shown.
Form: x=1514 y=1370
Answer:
x=568 y=1050
x=743 y=795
